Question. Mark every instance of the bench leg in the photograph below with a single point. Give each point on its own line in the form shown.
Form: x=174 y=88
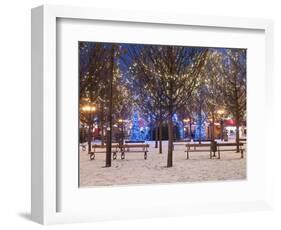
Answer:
x=242 y=153
x=92 y=156
x=219 y=154
x=211 y=155
x=187 y=155
x=122 y=155
x=145 y=155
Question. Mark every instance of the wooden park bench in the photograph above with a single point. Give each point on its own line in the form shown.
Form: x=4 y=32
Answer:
x=102 y=149
x=220 y=149
x=204 y=147
x=213 y=148
x=134 y=148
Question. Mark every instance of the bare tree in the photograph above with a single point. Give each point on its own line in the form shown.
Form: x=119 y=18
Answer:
x=100 y=86
x=173 y=71
x=232 y=66
x=212 y=82
x=93 y=59
x=150 y=108
x=144 y=84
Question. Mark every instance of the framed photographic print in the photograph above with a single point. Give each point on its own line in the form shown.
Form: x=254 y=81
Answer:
x=138 y=115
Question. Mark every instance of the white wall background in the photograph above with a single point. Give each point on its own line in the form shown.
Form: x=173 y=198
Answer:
x=15 y=112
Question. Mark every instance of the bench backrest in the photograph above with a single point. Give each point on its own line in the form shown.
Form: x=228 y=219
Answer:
x=104 y=146
x=135 y=145
x=206 y=140
x=180 y=141
x=229 y=144
x=134 y=141
x=199 y=145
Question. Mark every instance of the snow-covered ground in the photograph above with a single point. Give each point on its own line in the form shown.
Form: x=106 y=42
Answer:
x=135 y=170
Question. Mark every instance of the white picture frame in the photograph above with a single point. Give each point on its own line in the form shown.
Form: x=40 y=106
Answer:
x=46 y=184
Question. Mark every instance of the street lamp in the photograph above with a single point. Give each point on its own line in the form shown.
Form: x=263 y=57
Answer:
x=89 y=109
x=221 y=112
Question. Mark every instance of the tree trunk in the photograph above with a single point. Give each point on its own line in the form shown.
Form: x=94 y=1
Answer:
x=108 y=146
x=170 y=142
x=102 y=124
x=109 y=127
x=237 y=132
x=102 y=134
x=156 y=135
x=190 y=126
x=213 y=127
x=160 y=136
x=222 y=129
x=89 y=139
